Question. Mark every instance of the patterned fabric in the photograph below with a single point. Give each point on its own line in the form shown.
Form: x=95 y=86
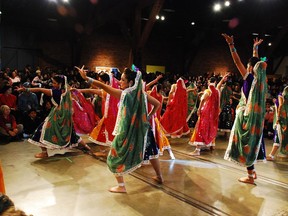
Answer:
x=84 y=117
x=192 y=101
x=102 y=133
x=226 y=93
x=206 y=127
x=246 y=135
x=160 y=137
x=283 y=122
x=57 y=130
x=127 y=150
x=174 y=119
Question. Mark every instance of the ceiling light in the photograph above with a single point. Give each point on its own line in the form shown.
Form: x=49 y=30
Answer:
x=157 y=17
x=162 y=17
x=192 y=23
x=269 y=44
x=217 y=7
x=227 y=3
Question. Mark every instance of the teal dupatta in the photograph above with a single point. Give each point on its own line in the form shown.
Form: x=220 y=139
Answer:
x=283 y=122
x=246 y=135
x=130 y=130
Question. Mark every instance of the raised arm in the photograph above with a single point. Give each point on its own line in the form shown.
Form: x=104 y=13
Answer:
x=154 y=81
x=234 y=54
x=224 y=79
x=256 y=43
x=90 y=91
x=110 y=90
x=45 y=91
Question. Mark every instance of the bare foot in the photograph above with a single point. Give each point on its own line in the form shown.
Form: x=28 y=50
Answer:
x=254 y=175
x=118 y=189
x=270 y=158
x=100 y=154
x=41 y=155
x=247 y=180
x=194 y=153
x=158 y=179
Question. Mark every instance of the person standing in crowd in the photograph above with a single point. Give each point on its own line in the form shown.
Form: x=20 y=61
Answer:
x=246 y=143
x=57 y=130
x=134 y=141
x=208 y=111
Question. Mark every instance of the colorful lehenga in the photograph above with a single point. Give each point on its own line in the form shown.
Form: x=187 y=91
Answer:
x=206 y=127
x=283 y=123
x=192 y=101
x=102 y=133
x=161 y=139
x=57 y=130
x=134 y=140
x=226 y=117
x=84 y=117
x=173 y=120
x=246 y=139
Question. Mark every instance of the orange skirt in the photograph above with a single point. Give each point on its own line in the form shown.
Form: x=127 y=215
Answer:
x=2 y=185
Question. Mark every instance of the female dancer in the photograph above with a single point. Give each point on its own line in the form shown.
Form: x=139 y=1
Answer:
x=57 y=130
x=134 y=140
x=102 y=133
x=246 y=139
x=206 y=127
x=174 y=118
x=161 y=139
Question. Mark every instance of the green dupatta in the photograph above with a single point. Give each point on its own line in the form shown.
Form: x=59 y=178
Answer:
x=225 y=96
x=57 y=127
x=192 y=101
x=283 y=122
x=130 y=130
x=246 y=135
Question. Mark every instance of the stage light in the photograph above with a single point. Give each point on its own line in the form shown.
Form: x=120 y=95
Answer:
x=157 y=17
x=192 y=23
x=217 y=7
x=66 y=1
x=162 y=17
x=227 y=3
x=269 y=44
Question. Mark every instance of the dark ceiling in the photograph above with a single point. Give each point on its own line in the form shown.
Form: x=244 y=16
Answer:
x=268 y=18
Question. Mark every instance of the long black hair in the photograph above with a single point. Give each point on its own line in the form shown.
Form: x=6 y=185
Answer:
x=130 y=75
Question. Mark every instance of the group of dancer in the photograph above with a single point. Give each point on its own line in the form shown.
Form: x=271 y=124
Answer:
x=131 y=127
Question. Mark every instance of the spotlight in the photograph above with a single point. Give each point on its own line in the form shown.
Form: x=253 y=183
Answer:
x=192 y=23
x=217 y=7
x=157 y=17
x=227 y=3
x=269 y=44
x=162 y=17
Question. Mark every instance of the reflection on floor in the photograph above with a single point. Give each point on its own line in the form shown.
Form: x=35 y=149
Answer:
x=72 y=183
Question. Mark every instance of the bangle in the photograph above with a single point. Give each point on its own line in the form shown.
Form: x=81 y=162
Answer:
x=27 y=90
x=233 y=49
x=90 y=80
x=230 y=44
x=255 y=47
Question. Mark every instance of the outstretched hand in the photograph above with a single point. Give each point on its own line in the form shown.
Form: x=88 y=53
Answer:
x=257 y=42
x=229 y=39
x=20 y=89
x=225 y=77
x=82 y=72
